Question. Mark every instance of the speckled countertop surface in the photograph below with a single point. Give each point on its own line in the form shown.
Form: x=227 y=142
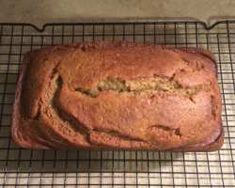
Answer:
x=43 y=11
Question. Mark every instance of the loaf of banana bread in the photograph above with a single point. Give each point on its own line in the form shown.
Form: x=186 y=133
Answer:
x=118 y=95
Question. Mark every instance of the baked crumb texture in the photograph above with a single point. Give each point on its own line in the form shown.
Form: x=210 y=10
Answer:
x=118 y=95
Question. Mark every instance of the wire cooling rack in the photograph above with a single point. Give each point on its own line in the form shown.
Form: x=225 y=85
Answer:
x=20 y=167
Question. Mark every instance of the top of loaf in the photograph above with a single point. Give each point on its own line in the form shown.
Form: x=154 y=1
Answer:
x=163 y=96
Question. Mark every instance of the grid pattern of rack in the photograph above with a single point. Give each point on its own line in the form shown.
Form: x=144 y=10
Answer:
x=117 y=168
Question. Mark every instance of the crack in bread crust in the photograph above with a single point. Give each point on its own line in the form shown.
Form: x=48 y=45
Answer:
x=143 y=85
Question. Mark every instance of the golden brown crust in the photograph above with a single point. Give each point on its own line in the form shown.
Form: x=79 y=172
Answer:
x=118 y=95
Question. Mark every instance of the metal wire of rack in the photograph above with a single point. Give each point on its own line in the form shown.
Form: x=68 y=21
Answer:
x=74 y=168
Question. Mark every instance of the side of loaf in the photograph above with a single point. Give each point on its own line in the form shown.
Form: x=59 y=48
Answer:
x=118 y=95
